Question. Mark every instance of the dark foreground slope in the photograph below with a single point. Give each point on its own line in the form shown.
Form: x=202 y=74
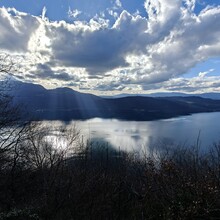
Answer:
x=67 y=104
x=42 y=181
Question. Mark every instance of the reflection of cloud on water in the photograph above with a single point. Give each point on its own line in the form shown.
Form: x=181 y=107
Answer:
x=152 y=135
x=176 y=120
x=132 y=136
x=128 y=136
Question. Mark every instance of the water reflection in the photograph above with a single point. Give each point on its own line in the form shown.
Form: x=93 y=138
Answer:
x=148 y=135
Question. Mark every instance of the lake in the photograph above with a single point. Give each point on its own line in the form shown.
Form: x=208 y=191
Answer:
x=184 y=131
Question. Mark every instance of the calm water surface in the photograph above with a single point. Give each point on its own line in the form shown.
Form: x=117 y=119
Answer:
x=144 y=135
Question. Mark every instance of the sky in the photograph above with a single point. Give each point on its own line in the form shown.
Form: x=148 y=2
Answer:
x=114 y=46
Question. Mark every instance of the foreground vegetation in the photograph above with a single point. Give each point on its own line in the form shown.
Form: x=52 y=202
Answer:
x=63 y=178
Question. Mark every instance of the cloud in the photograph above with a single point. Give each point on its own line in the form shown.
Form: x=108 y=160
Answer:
x=195 y=84
x=74 y=13
x=16 y=29
x=43 y=71
x=190 y=4
x=132 y=53
x=118 y=3
x=93 y=47
x=203 y=74
x=44 y=11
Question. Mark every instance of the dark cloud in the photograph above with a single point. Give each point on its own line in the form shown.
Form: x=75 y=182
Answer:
x=99 y=50
x=45 y=72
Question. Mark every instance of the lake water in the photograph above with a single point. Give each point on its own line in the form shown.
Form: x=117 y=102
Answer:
x=185 y=131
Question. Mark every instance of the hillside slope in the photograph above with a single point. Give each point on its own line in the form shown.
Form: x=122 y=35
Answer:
x=67 y=104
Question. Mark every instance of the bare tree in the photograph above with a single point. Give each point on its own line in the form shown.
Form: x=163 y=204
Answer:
x=11 y=127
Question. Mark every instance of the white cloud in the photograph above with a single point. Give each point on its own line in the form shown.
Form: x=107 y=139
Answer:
x=16 y=29
x=74 y=13
x=190 y=4
x=118 y=3
x=113 y=13
x=44 y=11
x=203 y=74
x=193 y=85
x=134 y=52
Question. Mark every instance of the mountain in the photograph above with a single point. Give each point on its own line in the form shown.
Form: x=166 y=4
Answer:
x=210 y=95
x=158 y=94
x=39 y=103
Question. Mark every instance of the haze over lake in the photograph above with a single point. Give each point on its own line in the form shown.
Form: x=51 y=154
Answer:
x=147 y=135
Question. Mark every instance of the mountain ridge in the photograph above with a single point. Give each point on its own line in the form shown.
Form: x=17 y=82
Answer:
x=211 y=95
x=67 y=104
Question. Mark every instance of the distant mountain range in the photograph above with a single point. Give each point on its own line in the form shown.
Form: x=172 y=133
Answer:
x=210 y=95
x=66 y=104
